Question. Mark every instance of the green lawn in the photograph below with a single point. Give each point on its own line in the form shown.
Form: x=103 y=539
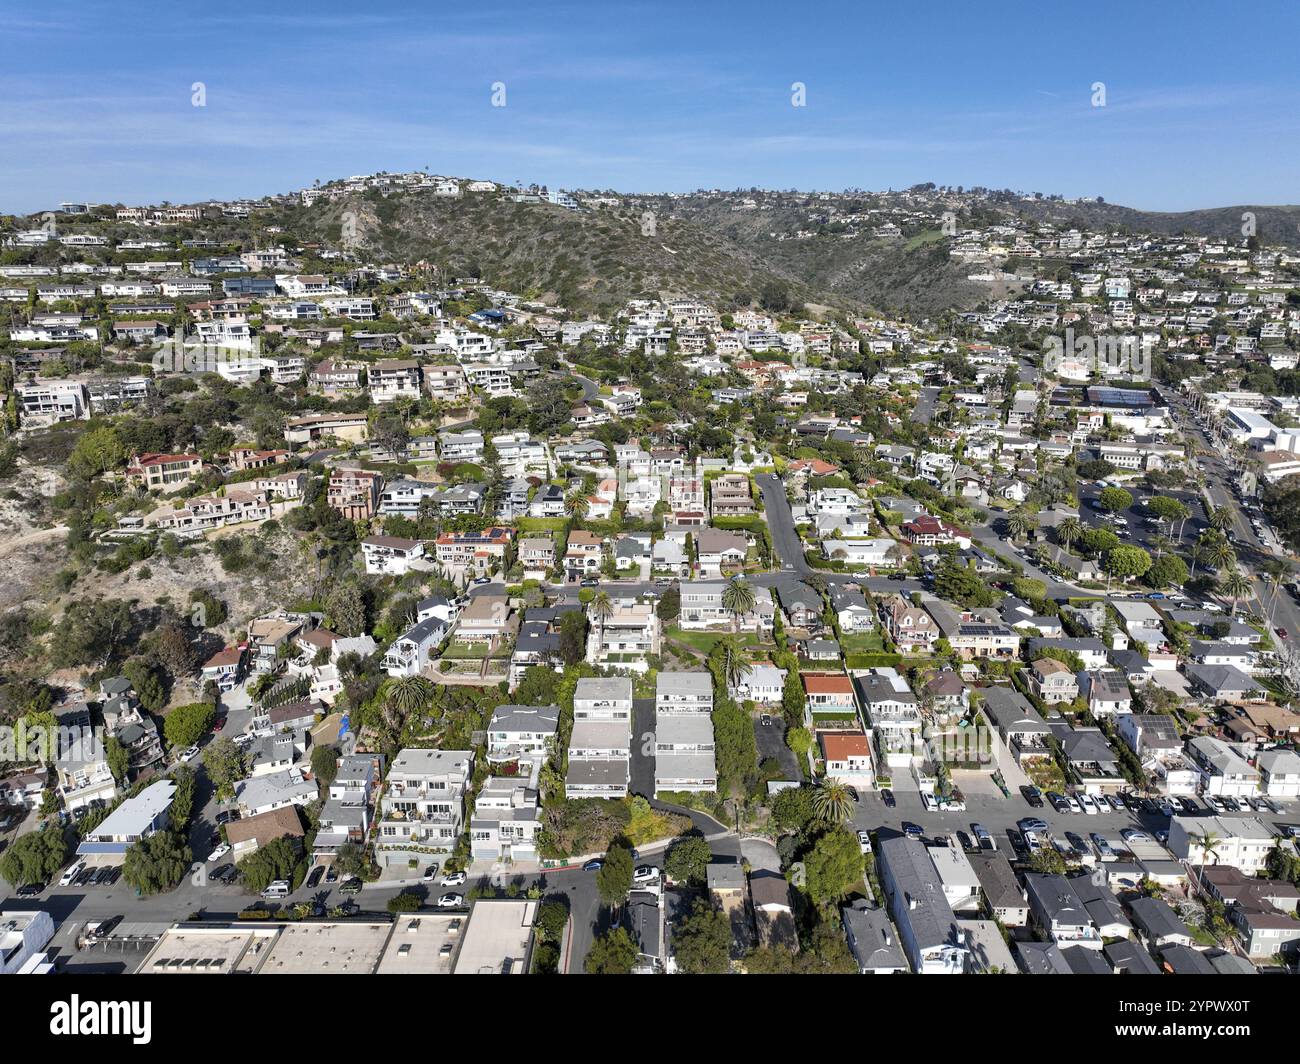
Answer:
x=466 y=650
x=862 y=642
x=704 y=641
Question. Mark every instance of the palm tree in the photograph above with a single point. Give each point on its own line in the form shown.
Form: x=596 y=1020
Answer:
x=738 y=598
x=576 y=504
x=831 y=802
x=1220 y=519
x=1209 y=844
x=602 y=609
x=1181 y=514
x=1221 y=555
x=1020 y=524
x=409 y=693
x=1237 y=586
x=1068 y=531
x=735 y=666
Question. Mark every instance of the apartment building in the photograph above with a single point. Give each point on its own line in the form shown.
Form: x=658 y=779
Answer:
x=625 y=638
x=506 y=821
x=424 y=805
x=684 y=743
x=600 y=751
x=354 y=492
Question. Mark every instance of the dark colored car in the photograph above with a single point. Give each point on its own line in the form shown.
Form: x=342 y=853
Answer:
x=314 y=876
x=331 y=875
x=114 y=875
x=887 y=796
x=30 y=890
x=853 y=792
x=964 y=841
x=1059 y=802
x=1130 y=801
x=1032 y=795
x=221 y=871
x=912 y=831
x=594 y=865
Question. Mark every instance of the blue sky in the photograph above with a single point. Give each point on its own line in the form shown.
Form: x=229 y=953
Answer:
x=1202 y=102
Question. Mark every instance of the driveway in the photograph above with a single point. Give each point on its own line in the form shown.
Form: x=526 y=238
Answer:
x=770 y=740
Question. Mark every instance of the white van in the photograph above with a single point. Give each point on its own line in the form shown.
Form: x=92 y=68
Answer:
x=278 y=889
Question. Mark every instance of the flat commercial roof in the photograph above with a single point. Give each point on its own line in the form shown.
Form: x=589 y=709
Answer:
x=416 y=944
x=498 y=939
x=342 y=948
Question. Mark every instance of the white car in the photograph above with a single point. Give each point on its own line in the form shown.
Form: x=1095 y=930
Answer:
x=73 y=871
x=189 y=754
x=219 y=852
x=1075 y=804
x=453 y=879
x=451 y=901
x=864 y=842
x=645 y=874
x=1088 y=805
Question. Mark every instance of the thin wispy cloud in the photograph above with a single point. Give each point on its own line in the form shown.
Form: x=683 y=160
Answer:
x=672 y=95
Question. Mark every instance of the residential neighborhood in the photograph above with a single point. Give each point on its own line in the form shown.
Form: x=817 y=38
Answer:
x=380 y=600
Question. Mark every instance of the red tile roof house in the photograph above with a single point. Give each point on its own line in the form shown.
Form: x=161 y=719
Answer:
x=226 y=667
x=815 y=466
x=848 y=757
x=829 y=694
x=927 y=531
x=163 y=472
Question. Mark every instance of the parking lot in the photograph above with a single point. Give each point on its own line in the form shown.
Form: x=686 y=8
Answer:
x=999 y=816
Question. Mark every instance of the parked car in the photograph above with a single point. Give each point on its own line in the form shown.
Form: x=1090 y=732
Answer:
x=453 y=879
x=189 y=753
x=765 y=720
x=331 y=874
x=221 y=871
x=1134 y=835
x=864 y=842
x=912 y=831
x=1032 y=795
x=1032 y=823
x=887 y=796
x=1059 y=802
x=594 y=865
x=1104 y=850
x=30 y=890
x=75 y=869
x=964 y=840
x=983 y=837
x=350 y=886
x=645 y=874
x=451 y=901
x=314 y=876
x=219 y=852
